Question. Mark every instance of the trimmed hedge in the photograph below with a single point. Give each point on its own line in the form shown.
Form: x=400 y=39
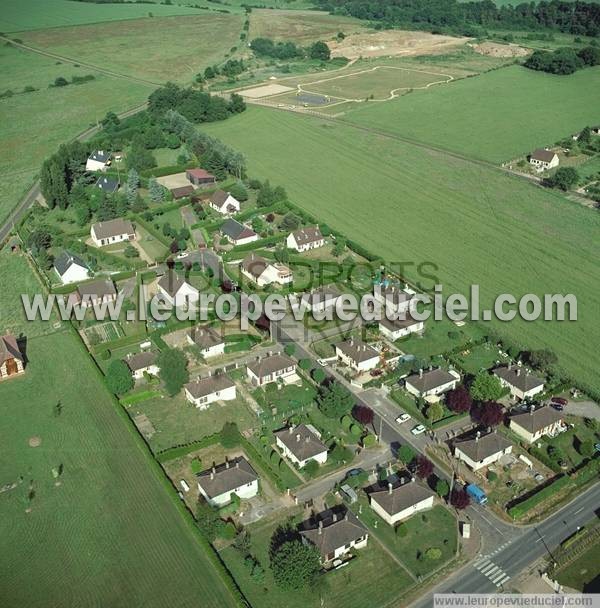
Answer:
x=522 y=508
x=185 y=448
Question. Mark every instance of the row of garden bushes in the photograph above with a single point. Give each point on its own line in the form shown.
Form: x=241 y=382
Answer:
x=183 y=449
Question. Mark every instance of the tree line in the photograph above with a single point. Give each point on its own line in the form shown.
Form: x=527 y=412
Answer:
x=288 y=50
x=563 y=61
x=469 y=18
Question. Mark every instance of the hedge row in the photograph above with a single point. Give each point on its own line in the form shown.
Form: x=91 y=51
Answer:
x=522 y=508
x=236 y=251
x=186 y=448
x=153 y=231
x=162 y=171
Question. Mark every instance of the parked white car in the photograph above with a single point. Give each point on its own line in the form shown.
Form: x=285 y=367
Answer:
x=402 y=418
x=417 y=430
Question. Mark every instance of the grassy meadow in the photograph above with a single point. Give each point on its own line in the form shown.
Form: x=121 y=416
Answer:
x=496 y=116
x=105 y=532
x=19 y=15
x=187 y=44
x=467 y=223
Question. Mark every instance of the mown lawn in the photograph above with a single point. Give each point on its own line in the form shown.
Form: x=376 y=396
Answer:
x=442 y=219
x=106 y=531
x=584 y=573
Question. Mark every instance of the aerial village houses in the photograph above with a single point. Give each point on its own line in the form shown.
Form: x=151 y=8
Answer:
x=399 y=328
x=301 y=444
x=112 y=231
x=70 y=268
x=335 y=533
x=179 y=192
x=543 y=159
x=224 y=203
x=210 y=343
x=271 y=369
x=432 y=382
x=237 y=233
x=108 y=184
x=522 y=384
x=262 y=272
x=218 y=484
x=177 y=291
x=482 y=451
x=98 y=161
x=394 y=504
x=305 y=239
x=200 y=177
x=536 y=423
x=12 y=361
x=208 y=390
x=357 y=354
x=95 y=293
x=320 y=299
x=396 y=300
x=142 y=363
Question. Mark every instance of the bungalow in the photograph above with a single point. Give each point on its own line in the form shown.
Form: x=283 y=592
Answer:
x=482 y=451
x=70 y=268
x=95 y=293
x=393 y=298
x=271 y=369
x=334 y=533
x=224 y=203
x=200 y=177
x=12 y=360
x=108 y=184
x=319 y=300
x=177 y=291
x=98 y=161
x=536 y=423
x=301 y=444
x=305 y=239
x=112 y=231
x=208 y=390
x=262 y=272
x=395 y=504
x=357 y=354
x=237 y=233
x=210 y=343
x=180 y=192
x=142 y=363
x=543 y=159
x=398 y=328
x=219 y=483
x=522 y=384
x=432 y=383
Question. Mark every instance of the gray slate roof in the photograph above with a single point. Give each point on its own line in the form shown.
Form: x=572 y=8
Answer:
x=219 y=197
x=519 y=378
x=396 y=324
x=537 y=419
x=254 y=264
x=9 y=349
x=97 y=289
x=234 y=230
x=116 y=227
x=301 y=441
x=205 y=337
x=100 y=155
x=310 y=234
x=65 y=259
x=339 y=527
x=401 y=497
x=107 y=183
x=226 y=477
x=430 y=379
x=268 y=365
x=210 y=385
x=394 y=295
x=140 y=360
x=171 y=282
x=479 y=449
x=543 y=155
x=357 y=350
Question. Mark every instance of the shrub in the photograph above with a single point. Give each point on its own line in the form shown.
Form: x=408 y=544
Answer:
x=369 y=440
x=311 y=468
x=401 y=530
x=433 y=553
x=492 y=476
x=228 y=531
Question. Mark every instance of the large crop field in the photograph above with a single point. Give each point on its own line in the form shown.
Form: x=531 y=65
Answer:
x=19 y=15
x=496 y=116
x=414 y=205
x=187 y=44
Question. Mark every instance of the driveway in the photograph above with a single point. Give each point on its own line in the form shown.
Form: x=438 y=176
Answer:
x=585 y=409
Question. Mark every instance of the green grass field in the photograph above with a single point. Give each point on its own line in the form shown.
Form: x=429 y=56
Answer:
x=584 y=573
x=471 y=224
x=496 y=116
x=19 y=15
x=106 y=532
x=187 y=44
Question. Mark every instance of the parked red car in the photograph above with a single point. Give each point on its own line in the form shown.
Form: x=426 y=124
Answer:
x=560 y=400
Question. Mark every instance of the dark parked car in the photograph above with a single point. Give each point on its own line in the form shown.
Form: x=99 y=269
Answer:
x=557 y=406
x=560 y=400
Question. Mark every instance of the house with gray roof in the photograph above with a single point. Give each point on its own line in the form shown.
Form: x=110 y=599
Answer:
x=357 y=354
x=203 y=392
x=536 y=423
x=335 y=533
x=272 y=369
x=112 y=231
x=12 y=360
x=95 y=293
x=543 y=159
x=99 y=160
x=520 y=381
x=482 y=451
x=301 y=444
x=218 y=484
x=70 y=268
x=305 y=239
x=177 y=291
x=395 y=299
x=263 y=272
x=397 y=503
x=209 y=341
x=142 y=363
x=396 y=328
x=224 y=203
x=237 y=233
x=108 y=184
x=432 y=383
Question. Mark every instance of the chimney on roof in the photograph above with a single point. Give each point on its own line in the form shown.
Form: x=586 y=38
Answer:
x=402 y=481
x=307 y=439
x=421 y=373
x=478 y=435
x=390 y=488
x=320 y=527
x=226 y=462
x=291 y=430
x=237 y=464
x=297 y=436
x=519 y=372
x=346 y=516
x=334 y=516
x=532 y=409
x=412 y=480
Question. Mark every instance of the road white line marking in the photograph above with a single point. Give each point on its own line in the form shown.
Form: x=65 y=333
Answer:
x=497 y=576
x=539 y=540
x=502 y=581
x=488 y=572
x=482 y=563
x=579 y=510
x=487 y=567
